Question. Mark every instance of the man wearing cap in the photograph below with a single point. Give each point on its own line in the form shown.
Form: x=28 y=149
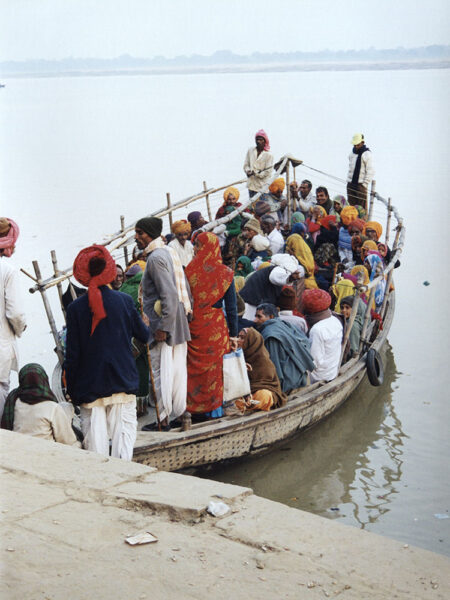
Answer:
x=258 y=164
x=12 y=317
x=168 y=305
x=325 y=334
x=100 y=369
x=286 y=304
x=257 y=244
x=181 y=244
x=360 y=172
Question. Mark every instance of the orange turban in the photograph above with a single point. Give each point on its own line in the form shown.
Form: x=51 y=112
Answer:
x=231 y=190
x=315 y=301
x=181 y=226
x=348 y=214
x=277 y=185
x=375 y=226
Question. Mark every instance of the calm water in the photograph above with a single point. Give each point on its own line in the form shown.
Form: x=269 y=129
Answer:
x=78 y=152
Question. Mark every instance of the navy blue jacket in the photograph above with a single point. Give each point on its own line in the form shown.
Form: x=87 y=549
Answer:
x=100 y=365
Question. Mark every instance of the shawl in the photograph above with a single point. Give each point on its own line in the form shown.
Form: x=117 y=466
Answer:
x=340 y=200
x=33 y=387
x=327 y=206
x=359 y=152
x=368 y=245
x=206 y=270
x=361 y=273
x=263 y=134
x=297 y=217
x=375 y=226
x=8 y=240
x=341 y=289
x=376 y=268
x=326 y=254
x=345 y=239
x=318 y=316
x=93 y=283
x=180 y=280
x=263 y=375
x=239 y=282
x=300 y=249
x=246 y=263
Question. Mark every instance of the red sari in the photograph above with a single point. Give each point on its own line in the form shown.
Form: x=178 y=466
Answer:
x=208 y=279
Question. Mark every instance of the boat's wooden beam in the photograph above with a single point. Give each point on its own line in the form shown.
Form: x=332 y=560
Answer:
x=58 y=285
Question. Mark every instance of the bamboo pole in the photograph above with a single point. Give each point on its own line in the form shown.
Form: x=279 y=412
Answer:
x=28 y=275
x=350 y=323
x=288 y=193
x=72 y=291
x=48 y=310
x=366 y=318
x=125 y=249
x=208 y=204
x=388 y=222
x=372 y=198
x=59 y=285
x=386 y=293
x=169 y=208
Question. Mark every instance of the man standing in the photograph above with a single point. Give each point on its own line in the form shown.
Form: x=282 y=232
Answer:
x=100 y=369
x=258 y=164
x=360 y=172
x=181 y=244
x=306 y=200
x=12 y=318
x=167 y=304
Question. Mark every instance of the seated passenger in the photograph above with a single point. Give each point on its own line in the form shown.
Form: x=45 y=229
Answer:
x=264 y=383
x=230 y=198
x=257 y=244
x=297 y=246
x=275 y=199
x=117 y=282
x=339 y=202
x=286 y=304
x=374 y=266
x=196 y=220
x=325 y=334
x=355 y=333
x=329 y=233
x=269 y=227
x=181 y=244
x=288 y=347
x=313 y=222
x=32 y=408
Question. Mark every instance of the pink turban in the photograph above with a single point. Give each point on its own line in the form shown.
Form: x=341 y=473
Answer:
x=263 y=134
x=9 y=232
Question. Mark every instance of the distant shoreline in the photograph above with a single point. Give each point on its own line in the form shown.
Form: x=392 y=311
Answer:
x=242 y=68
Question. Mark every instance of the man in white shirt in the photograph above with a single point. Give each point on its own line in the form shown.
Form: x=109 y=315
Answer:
x=325 y=334
x=258 y=164
x=181 y=244
x=12 y=318
x=306 y=199
x=269 y=227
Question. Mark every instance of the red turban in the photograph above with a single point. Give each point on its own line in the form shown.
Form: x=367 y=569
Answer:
x=315 y=301
x=8 y=236
x=93 y=282
x=357 y=224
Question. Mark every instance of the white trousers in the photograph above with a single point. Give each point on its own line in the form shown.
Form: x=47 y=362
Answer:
x=116 y=422
x=4 y=391
x=170 y=376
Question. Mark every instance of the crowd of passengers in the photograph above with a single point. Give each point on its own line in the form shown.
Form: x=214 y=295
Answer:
x=279 y=284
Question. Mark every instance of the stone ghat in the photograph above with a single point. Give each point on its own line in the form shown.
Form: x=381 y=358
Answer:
x=66 y=513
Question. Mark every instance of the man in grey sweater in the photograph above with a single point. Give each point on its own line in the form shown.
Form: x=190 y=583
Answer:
x=167 y=303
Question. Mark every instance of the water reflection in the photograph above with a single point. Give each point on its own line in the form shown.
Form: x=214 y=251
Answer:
x=347 y=467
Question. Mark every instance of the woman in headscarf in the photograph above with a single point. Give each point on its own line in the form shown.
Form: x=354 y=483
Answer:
x=33 y=409
x=297 y=217
x=339 y=202
x=264 y=383
x=211 y=283
x=313 y=223
x=362 y=276
x=296 y=246
x=329 y=233
x=243 y=266
x=341 y=289
x=355 y=333
x=374 y=266
x=302 y=230
x=369 y=247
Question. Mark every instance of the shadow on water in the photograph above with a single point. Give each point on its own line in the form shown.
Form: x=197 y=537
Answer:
x=349 y=466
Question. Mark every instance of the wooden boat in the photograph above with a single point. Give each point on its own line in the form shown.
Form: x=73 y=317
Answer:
x=232 y=437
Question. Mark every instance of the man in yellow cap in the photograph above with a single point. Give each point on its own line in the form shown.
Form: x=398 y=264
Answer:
x=360 y=172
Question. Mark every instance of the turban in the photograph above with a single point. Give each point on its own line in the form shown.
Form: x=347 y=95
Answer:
x=299 y=228
x=277 y=185
x=194 y=216
x=9 y=232
x=181 y=226
x=358 y=224
x=370 y=245
x=151 y=225
x=297 y=217
x=315 y=301
x=263 y=134
x=287 y=299
x=260 y=243
x=326 y=221
x=254 y=225
x=375 y=226
x=288 y=262
x=82 y=274
x=231 y=190
x=348 y=214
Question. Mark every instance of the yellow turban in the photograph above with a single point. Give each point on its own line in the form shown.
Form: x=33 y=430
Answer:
x=231 y=190
x=375 y=226
x=277 y=185
x=348 y=214
x=181 y=226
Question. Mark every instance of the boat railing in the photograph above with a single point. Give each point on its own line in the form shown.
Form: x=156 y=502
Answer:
x=210 y=198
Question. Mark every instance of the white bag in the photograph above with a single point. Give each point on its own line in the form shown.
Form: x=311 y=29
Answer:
x=235 y=377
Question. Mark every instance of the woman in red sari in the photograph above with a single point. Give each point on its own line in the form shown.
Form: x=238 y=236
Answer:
x=211 y=283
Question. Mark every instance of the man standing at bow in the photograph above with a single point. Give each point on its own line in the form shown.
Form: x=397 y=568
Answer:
x=258 y=165
x=167 y=304
x=360 y=172
x=101 y=373
x=12 y=319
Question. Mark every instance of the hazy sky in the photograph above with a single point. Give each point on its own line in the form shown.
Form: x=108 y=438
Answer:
x=55 y=29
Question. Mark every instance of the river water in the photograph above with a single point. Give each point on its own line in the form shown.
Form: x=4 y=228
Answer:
x=76 y=153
